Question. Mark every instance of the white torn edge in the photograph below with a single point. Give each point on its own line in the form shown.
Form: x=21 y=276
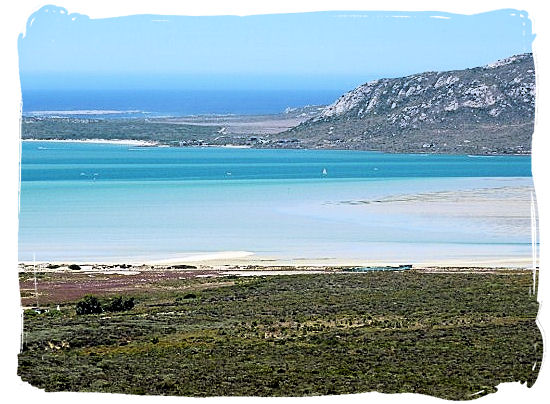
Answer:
x=45 y=10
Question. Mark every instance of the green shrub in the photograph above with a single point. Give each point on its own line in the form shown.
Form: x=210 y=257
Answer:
x=74 y=267
x=88 y=305
x=91 y=305
x=119 y=304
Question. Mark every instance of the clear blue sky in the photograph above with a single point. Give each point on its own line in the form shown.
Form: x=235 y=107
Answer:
x=328 y=50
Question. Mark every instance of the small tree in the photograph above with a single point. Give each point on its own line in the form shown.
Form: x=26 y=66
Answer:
x=119 y=304
x=88 y=305
x=115 y=304
x=128 y=304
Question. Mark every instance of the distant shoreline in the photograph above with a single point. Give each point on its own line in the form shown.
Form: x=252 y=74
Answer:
x=147 y=143
x=86 y=266
x=247 y=260
x=130 y=142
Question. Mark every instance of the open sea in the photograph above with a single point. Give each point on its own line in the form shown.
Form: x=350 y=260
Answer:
x=107 y=202
x=161 y=103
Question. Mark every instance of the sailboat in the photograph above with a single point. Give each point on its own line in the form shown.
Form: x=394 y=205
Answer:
x=324 y=171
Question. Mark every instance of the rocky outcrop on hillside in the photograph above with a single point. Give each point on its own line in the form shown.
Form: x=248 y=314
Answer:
x=483 y=110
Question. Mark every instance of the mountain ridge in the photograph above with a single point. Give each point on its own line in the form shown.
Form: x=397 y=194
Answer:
x=482 y=110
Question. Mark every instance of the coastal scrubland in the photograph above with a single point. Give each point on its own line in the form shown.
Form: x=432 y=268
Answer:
x=119 y=129
x=451 y=335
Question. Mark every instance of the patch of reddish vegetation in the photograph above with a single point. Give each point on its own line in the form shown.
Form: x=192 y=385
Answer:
x=67 y=287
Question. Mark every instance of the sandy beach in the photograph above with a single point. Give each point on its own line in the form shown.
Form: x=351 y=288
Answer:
x=129 y=142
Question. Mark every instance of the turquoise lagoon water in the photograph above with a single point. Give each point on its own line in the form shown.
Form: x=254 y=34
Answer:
x=97 y=202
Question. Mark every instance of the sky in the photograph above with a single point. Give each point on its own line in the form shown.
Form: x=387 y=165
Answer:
x=322 y=50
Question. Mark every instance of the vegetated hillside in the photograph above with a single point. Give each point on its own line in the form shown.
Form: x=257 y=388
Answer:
x=484 y=110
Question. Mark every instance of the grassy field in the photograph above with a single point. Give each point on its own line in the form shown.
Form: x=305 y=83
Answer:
x=454 y=336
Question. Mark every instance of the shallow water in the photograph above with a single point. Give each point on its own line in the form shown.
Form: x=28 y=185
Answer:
x=93 y=202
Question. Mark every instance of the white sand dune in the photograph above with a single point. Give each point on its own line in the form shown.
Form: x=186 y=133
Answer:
x=129 y=142
x=201 y=257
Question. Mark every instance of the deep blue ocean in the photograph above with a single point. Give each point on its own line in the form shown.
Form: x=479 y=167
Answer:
x=145 y=103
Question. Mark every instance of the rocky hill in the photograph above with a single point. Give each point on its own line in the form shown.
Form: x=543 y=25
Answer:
x=483 y=110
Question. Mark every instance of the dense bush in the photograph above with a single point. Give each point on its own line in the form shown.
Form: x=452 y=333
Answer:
x=88 y=305
x=119 y=304
x=74 y=267
x=91 y=305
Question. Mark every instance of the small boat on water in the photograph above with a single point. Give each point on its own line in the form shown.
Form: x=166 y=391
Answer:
x=324 y=171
